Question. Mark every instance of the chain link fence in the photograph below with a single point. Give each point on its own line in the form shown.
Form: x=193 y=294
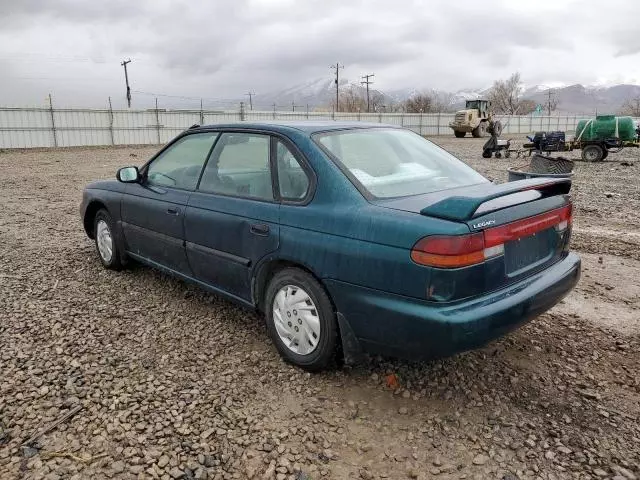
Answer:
x=59 y=127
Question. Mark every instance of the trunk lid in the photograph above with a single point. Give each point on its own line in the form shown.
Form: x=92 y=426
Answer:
x=526 y=222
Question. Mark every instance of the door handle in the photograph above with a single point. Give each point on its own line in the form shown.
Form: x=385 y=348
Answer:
x=173 y=211
x=260 y=229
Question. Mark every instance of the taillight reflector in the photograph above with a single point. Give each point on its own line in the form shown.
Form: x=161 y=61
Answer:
x=464 y=250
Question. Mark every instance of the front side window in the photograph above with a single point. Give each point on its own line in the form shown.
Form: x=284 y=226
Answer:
x=386 y=163
x=239 y=166
x=292 y=179
x=180 y=165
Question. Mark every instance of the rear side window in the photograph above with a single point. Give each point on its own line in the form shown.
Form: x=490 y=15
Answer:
x=292 y=179
x=239 y=166
x=180 y=164
x=385 y=163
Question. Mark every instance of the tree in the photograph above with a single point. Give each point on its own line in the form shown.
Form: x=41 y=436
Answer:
x=526 y=106
x=442 y=102
x=504 y=96
x=352 y=100
x=419 y=103
x=631 y=107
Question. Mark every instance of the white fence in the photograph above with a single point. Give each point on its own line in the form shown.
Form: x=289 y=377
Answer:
x=45 y=127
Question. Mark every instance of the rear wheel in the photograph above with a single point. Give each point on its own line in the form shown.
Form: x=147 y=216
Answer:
x=300 y=320
x=106 y=245
x=459 y=134
x=486 y=154
x=592 y=153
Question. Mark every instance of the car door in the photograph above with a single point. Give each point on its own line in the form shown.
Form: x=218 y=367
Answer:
x=153 y=209
x=232 y=218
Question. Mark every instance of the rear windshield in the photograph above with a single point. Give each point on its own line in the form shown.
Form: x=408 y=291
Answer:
x=386 y=163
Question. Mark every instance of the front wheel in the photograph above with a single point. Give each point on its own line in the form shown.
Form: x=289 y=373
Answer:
x=104 y=237
x=300 y=320
x=459 y=134
x=479 y=131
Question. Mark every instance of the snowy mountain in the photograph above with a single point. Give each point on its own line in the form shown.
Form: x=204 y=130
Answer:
x=315 y=93
x=579 y=99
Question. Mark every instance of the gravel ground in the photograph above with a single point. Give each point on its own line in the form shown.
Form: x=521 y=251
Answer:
x=165 y=381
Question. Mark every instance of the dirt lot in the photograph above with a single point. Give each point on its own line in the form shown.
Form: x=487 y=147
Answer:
x=176 y=383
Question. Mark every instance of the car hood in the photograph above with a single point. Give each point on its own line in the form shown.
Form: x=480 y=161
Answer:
x=111 y=185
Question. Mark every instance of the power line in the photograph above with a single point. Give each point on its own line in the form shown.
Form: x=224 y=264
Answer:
x=337 y=67
x=367 y=82
x=126 y=79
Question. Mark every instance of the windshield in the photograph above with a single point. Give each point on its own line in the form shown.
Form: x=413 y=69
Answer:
x=472 y=104
x=388 y=163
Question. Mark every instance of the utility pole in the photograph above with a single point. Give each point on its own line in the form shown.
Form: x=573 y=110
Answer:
x=126 y=79
x=337 y=67
x=250 y=95
x=293 y=105
x=549 y=93
x=367 y=82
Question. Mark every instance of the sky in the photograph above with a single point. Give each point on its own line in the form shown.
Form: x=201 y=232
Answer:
x=219 y=50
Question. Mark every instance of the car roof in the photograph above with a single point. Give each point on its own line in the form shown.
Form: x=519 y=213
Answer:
x=307 y=126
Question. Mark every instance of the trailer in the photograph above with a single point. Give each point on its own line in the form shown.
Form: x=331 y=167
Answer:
x=595 y=150
x=596 y=138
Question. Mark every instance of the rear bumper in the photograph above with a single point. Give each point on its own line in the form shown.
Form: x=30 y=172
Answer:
x=405 y=327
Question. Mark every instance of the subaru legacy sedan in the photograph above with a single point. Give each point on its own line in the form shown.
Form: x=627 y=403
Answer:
x=350 y=238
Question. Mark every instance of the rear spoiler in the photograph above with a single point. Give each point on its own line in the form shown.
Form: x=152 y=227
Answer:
x=467 y=206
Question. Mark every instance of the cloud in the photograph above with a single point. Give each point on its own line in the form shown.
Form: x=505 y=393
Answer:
x=224 y=48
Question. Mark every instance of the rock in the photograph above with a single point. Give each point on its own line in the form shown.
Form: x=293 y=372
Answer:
x=176 y=473
x=366 y=474
x=200 y=474
x=412 y=472
x=118 y=467
x=209 y=461
x=563 y=449
x=628 y=474
x=434 y=471
x=269 y=472
x=136 y=469
x=549 y=455
x=599 y=472
x=163 y=461
x=403 y=410
x=480 y=459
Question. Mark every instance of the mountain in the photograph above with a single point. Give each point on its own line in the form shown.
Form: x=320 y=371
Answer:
x=318 y=93
x=577 y=99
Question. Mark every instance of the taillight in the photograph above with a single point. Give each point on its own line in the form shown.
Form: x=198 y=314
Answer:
x=464 y=250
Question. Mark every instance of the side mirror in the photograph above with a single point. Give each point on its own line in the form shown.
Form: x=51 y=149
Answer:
x=128 y=175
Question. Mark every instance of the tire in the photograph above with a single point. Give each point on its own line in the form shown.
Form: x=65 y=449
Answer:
x=486 y=154
x=459 y=134
x=605 y=154
x=592 y=153
x=286 y=323
x=498 y=155
x=555 y=166
x=507 y=154
x=479 y=131
x=105 y=240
